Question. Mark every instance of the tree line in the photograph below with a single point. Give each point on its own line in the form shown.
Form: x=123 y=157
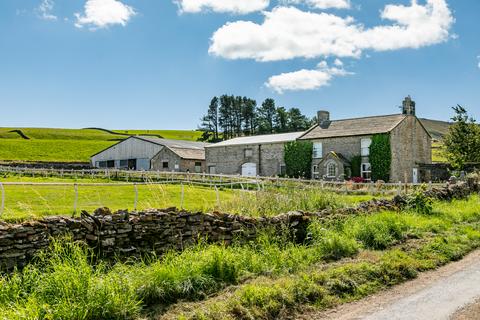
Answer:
x=231 y=116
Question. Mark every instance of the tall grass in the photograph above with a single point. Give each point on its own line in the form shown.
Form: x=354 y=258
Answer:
x=65 y=283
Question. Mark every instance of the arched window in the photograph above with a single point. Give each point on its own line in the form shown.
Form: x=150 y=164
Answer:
x=331 y=170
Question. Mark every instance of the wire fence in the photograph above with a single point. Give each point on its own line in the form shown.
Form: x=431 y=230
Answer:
x=133 y=189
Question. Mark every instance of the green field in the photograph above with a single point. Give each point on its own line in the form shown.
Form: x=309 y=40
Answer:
x=24 y=202
x=69 y=145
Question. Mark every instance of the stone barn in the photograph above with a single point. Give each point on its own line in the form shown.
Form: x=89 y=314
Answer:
x=152 y=153
x=249 y=156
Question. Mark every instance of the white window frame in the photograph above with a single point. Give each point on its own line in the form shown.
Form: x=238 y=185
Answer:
x=317 y=150
x=315 y=172
x=329 y=166
x=365 y=146
x=365 y=171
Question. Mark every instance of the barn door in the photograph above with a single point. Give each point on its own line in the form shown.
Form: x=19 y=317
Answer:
x=249 y=169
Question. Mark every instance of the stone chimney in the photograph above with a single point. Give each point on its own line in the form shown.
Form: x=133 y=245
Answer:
x=408 y=106
x=323 y=118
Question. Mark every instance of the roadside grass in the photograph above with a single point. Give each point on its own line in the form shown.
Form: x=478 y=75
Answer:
x=69 y=145
x=265 y=279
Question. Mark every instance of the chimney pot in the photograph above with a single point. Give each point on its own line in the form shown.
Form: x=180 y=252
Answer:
x=323 y=118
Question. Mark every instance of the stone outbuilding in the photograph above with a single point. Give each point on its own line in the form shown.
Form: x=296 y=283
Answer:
x=336 y=142
x=261 y=155
x=153 y=153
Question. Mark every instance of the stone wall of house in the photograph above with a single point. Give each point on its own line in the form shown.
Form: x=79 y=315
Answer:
x=411 y=146
x=129 y=234
x=269 y=158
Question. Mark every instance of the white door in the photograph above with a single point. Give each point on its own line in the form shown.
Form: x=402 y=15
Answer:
x=249 y=169
x=415 y=175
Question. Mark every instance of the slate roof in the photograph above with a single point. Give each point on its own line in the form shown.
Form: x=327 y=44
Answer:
x=260 y=139
x=355 y=127
x=189 y=154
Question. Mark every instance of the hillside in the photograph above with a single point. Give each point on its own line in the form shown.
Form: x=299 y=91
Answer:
x=438 y=129
x=70 y=145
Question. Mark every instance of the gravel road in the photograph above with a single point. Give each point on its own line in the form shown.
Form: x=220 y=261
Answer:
x=451 y=292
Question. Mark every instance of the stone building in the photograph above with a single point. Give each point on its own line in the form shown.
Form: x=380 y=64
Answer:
x=152 y=153
x=249 y=156
x=336 y=142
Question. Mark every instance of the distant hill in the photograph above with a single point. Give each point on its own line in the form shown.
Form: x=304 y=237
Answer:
x=437 y=129
x=70 y=145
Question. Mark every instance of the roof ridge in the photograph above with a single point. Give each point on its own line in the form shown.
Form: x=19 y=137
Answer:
x=367 y=117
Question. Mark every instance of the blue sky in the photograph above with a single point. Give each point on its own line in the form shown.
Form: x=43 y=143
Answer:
x=155 y=64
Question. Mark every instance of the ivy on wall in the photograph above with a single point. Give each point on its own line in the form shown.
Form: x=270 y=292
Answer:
x=380 y=157
x=356 y=163
x=298 y=158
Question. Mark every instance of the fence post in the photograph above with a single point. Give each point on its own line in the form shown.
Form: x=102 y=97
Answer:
x=218 y=195
x=136 y=196
x=399 y=190
x=3 y=198
x=181 y=197
x=430 y=185
x=75 y=187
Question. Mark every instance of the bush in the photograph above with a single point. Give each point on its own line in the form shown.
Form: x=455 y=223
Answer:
x=419 y=202
x=380 y=157
x=298 y=158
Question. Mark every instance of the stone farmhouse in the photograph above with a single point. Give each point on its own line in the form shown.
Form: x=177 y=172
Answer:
x=335 y=143
x=152 y=153
x=250 y=156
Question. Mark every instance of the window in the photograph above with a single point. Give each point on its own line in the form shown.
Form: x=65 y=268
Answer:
x=331 y=170
x=366 y=171
x=283 y=169
x=317 y=150
x=316 y=174
x=212 y=169
x=365 y=147
x=248 y=153
x=198 y=167
x=124 y=164
x=102 y=164
x=165 y=164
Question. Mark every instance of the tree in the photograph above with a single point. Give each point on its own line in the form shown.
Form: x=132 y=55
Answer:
x=297 y=121
x=266 y=114
x=209 y=124
x=281 y=120
x=462 y=141
x=225 y=117
x=249 y=116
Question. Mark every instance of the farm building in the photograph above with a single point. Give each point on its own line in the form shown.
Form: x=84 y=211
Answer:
x=336 y=142
x=249 y=156
x=152 y=153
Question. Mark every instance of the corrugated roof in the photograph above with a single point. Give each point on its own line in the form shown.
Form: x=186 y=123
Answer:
x=260 y=139
x=182 y=144
x=355 y=127
x=189 y=154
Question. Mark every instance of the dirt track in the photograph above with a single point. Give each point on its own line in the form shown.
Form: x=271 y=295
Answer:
x=451 y=292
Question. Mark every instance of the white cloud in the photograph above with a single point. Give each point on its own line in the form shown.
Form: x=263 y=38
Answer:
x=323 y=4
x=338 y=63
x=230 y=6
x=102 y=13
x=289 y=33
x=305 y=79
x=478 y=58
x=45 y=10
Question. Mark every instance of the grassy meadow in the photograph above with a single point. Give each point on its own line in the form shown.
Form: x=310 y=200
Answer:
x=69 y=145
x=270 y=278
x=24 y=202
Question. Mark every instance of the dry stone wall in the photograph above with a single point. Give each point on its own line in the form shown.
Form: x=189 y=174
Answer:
x=124 y=233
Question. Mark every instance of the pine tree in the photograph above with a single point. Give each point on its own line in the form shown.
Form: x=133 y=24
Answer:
x=266 y=114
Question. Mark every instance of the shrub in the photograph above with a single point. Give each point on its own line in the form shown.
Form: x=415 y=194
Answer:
x=380 y=157
x=298 y=158
x=419 y=202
